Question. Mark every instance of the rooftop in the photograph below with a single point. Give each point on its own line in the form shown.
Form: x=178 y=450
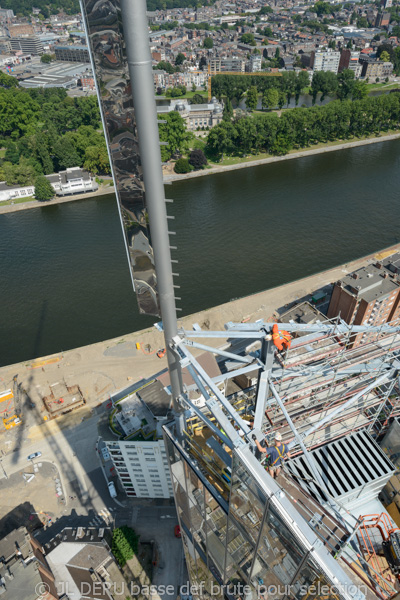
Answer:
x=370 y=283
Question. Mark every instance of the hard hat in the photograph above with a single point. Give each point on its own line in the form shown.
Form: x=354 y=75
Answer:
x=278 y=437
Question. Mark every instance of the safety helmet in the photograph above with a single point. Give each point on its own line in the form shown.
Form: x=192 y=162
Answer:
x=278 y=437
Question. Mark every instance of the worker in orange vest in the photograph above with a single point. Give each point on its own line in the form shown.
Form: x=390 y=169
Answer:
x=282 y=339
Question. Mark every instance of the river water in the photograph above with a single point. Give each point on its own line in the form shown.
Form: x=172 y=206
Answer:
x=64 y=276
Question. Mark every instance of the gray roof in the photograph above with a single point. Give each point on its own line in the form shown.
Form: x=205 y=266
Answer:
x=369 y=283
x=156 y=399
x=21 y=585
x=17 y=539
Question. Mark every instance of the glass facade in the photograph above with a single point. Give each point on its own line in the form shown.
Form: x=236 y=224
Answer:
x=104 y=28
x=242 y=549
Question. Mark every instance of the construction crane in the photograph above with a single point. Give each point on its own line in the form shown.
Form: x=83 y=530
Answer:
x=258 y=74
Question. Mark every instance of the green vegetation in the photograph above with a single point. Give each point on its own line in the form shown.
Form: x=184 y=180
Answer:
x=303 y=127
x=208 y=43
x=47 y=7
x=197 y=159
x=44 y=131
x=168 y=4
x=182 y=166
x=124 y=545
x=47 y=58
x=175 y=134
x=43 y=189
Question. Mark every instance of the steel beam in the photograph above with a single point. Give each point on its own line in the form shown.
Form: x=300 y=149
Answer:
x=180 y=346
x=141 y=79
x=349 y=402
x=235 y=357
x=308 y=457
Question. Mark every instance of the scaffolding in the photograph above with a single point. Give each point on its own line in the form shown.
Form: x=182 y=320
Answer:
x=324 y=387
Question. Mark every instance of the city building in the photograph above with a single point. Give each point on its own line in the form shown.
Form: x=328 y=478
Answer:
x=27 y=44
x=24 y=569
x=349 y=59
x=76 y=53
x=370 y=296
x=327 y=60
x=373 y=68
x=196 y=115
x=71 y=181
x=83 y=565
x=20 y=30
x=254 y=63
x=139 y=413
x=6 y=14
x=137 y=450
x=221 y=65
x=382 y=19
x=386 y=3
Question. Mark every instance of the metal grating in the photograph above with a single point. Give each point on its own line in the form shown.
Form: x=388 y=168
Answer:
x=346 y=465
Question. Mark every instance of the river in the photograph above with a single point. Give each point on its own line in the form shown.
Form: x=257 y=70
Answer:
x=64 y=276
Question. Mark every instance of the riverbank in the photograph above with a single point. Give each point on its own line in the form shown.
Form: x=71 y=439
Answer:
x=102 y=368
x=169 y=178
x=10 y=208
x=254 y=162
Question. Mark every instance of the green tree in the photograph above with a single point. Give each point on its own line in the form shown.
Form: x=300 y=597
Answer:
x=270 y=98
x=125 y=543
x=21 y=174
x=43 y=189
x=325 y=82
x=345 y=84
x=12 y=154
x=66 y=154
x=385 y=57
x=46 y=58
x=228 y=110
x=265 y=10
x=174 y=132
x=360 y=90
x=182 y=166
x=180 y=59
x=6 y=81
x=197 y=159
x=268 y=32
x=194 y=87
x=252 y=98
x=163 y=65
x=198 y=99
x=248 y=38
x=96 y=160
x=208 y=43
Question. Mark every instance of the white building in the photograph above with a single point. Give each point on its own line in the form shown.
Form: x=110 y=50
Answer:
x=327 y=60
x=195 y=115
x=140 y=458
x=137 y=447
x=254 y=64
x=72 y=181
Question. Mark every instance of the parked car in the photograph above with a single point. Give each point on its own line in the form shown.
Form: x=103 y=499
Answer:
x=34 y=455
x=177 y=531
x=112 y=490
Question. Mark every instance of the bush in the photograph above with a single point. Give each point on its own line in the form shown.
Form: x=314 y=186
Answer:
x=182 y=166
x=124 y=545
x=197 y=159
x=43 y=189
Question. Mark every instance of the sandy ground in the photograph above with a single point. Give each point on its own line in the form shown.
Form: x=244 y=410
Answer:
x=102 y=368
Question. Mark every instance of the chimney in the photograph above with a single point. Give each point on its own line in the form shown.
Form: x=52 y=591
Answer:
x=378 y=265
x=354 y=275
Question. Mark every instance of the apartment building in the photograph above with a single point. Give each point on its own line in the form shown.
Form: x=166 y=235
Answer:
x=349 y=59
x=327 y=60
x=220 y=65
x=139 y=454
x=376 y=68
x=369 y=296
x=27 y=44
x=76 y=53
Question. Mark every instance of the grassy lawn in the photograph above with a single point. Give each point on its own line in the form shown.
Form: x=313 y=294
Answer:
x=18 y=200
x=382 y=86
x=187 y=95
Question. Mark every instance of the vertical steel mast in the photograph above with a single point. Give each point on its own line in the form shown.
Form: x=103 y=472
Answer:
x=141 y=75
